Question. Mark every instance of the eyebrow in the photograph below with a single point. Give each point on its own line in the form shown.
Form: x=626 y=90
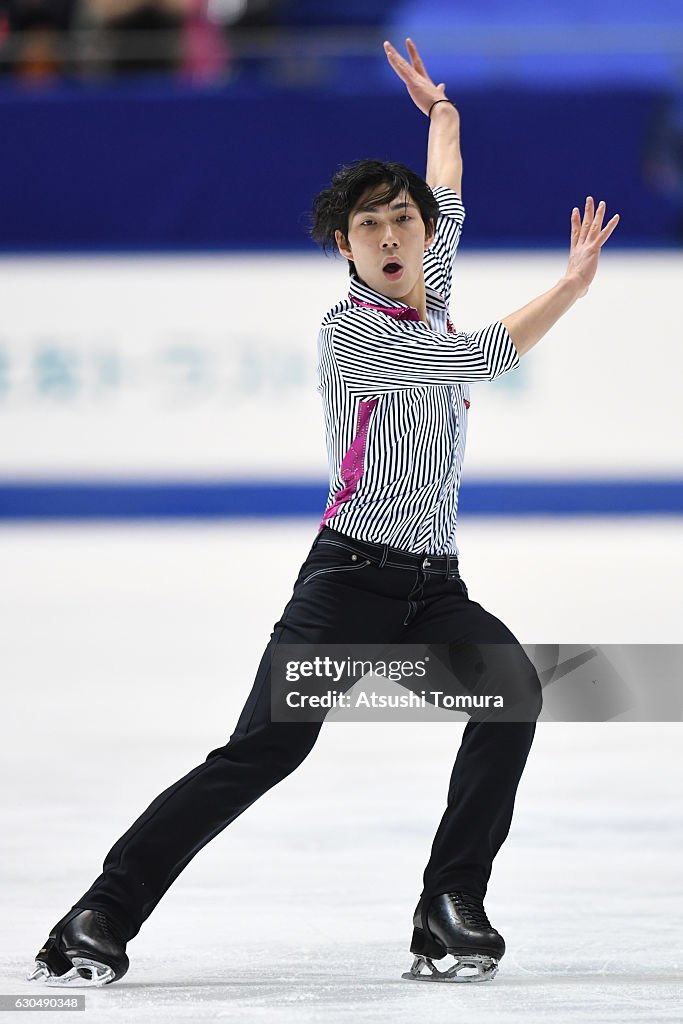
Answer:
x=394 y=206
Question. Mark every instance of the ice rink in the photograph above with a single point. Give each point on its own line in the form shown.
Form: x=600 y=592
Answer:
x=127 y=654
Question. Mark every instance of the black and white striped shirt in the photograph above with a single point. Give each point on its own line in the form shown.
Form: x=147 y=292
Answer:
x=395 y=399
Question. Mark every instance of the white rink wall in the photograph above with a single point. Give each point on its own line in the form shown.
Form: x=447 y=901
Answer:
x=204 y=366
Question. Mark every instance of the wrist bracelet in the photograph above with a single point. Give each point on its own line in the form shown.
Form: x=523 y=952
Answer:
x=439 y=101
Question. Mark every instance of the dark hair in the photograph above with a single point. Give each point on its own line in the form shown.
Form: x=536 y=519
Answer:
x=332 y=206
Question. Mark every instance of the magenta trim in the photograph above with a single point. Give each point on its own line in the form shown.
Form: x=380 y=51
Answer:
x=352 y=466
x=398 y=312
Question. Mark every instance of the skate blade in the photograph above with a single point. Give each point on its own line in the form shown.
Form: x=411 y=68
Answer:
x=478 y=968
x=94 y=974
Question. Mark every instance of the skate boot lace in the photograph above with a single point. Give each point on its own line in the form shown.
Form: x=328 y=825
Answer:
x=471 y=909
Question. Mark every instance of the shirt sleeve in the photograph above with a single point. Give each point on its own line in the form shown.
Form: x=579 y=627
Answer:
x=376 y=353
x=438 y=259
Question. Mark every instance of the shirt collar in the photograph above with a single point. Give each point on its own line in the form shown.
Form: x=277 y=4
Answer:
x=361 y=295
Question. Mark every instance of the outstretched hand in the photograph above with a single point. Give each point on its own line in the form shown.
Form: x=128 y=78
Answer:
x=587 y=239
x=422 y=91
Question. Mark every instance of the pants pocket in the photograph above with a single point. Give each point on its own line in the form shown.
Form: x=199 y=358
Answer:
x=349 y=566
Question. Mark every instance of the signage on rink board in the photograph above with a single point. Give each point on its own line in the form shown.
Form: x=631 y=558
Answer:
x=157 y=367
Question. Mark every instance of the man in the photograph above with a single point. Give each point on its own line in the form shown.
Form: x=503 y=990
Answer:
x=393 y=374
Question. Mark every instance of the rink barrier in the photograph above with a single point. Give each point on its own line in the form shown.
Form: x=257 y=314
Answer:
x=139 y=143
x=228 y=499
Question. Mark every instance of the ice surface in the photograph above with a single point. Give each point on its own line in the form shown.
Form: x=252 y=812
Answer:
x=127 y=652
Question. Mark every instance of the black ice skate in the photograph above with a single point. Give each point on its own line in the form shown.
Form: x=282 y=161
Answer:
x=454 y=923
x=84 y=948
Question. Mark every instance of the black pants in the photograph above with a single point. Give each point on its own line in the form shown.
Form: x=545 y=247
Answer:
x=346 y=592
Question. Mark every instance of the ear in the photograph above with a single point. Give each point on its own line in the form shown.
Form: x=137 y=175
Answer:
x=343 y=245
x=430 y=232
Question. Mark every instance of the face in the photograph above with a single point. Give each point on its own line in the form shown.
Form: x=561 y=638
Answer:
x=387 y=243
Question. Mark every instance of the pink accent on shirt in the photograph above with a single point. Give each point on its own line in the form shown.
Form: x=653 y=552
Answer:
x=398 y=312
x=352 y=466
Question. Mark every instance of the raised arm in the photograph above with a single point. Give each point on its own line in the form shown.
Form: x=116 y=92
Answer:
x=444 y=161
x=528 y=325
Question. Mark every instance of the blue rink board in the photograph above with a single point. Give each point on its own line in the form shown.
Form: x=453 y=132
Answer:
x=181 y=167
x=227 y=499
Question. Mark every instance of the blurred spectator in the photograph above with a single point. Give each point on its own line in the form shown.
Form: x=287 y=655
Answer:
x=41 y=40
x=142 y=35
x=27 y=14
x=35 y=36
x=206 y=51
x=245 y=14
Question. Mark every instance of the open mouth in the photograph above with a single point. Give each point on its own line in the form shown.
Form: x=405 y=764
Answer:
x=392 y=270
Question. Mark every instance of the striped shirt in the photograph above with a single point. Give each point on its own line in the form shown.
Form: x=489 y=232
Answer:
x=395 y=398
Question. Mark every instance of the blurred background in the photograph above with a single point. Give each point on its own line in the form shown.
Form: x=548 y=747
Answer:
x=161 y=296
x=159 y=306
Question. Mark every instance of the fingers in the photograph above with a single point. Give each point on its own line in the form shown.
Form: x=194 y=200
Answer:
x=601 y=236
x=591 y=229
x=598 y=218
x=593 y=218
x=415 y=58
x=587 y=219
x=395 y=57
x=400 y=65
x=608 y=229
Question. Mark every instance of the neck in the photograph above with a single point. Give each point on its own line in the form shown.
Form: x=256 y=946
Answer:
x=417 y=298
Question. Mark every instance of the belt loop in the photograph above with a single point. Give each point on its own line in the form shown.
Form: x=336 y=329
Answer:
x=448 y=567
x=385 y=555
